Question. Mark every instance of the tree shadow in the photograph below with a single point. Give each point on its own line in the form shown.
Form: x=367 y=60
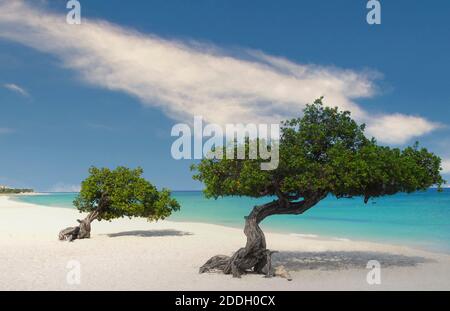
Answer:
x=337 y=260
x=149 y=233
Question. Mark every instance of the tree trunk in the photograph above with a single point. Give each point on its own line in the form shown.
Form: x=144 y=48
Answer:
x=255 y=256
x=82 y=231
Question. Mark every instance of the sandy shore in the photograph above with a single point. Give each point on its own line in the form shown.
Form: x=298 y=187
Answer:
x=137 y=255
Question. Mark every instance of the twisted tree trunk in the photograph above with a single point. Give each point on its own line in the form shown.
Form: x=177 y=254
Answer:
x=255 y=256
x=83 y=230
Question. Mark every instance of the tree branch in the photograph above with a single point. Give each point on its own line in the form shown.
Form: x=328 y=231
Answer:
x=279 y=207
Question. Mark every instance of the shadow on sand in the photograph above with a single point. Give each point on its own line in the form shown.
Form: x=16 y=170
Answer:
x=149 y=233
x=336 y=260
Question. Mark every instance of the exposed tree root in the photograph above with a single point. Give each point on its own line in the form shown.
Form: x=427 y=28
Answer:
x=241 y=263
x=82 y=231
x=255 y=257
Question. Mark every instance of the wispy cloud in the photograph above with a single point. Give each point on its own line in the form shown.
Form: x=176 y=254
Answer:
x=6 y=130
x=17 y=89
x=99 y=126
x=399 y=128
x=446 y=166
x=63 y=187
x=190 y=78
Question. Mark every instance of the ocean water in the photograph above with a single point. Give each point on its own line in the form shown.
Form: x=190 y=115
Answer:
x=420 y=220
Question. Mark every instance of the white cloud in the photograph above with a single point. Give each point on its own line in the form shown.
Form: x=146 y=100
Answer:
x=62 y=187
x=446 y=166
x=189 y=78
x=398 y=128
x=17 y=89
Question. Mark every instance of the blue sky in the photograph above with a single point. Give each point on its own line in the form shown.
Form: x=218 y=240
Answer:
x=108 y=92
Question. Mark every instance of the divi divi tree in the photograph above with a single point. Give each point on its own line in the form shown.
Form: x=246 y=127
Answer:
x=323 y=153
x=108 y=194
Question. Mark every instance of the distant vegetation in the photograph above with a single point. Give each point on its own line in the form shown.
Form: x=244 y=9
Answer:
x=14 y=191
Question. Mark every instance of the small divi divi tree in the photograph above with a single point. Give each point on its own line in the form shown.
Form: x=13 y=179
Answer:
x=108 y=194
x=323 y=153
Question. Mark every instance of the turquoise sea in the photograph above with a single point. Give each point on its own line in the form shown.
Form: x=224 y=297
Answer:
x=421 y=220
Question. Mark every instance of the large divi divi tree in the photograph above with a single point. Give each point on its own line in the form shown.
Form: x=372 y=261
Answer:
x=322 y=153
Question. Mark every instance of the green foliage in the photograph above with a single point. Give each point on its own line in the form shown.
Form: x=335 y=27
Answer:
x=123 y=193
x=324 y=152
x=14 y=191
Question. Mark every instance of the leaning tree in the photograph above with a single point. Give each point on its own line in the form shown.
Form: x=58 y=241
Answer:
x=325 y=152
x=108 y=194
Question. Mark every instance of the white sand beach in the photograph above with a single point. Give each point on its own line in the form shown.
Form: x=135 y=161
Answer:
x=138 y=255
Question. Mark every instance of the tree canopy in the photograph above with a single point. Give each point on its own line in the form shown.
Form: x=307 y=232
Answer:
x=324 y=152
x=108 y=194
x=122 y=192
x=321 y=153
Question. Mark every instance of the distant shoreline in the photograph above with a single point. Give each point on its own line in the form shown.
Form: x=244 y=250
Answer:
x=177 y=191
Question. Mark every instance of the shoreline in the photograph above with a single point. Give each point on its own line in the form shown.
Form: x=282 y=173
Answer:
x=313 y=235
x=135 y=254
